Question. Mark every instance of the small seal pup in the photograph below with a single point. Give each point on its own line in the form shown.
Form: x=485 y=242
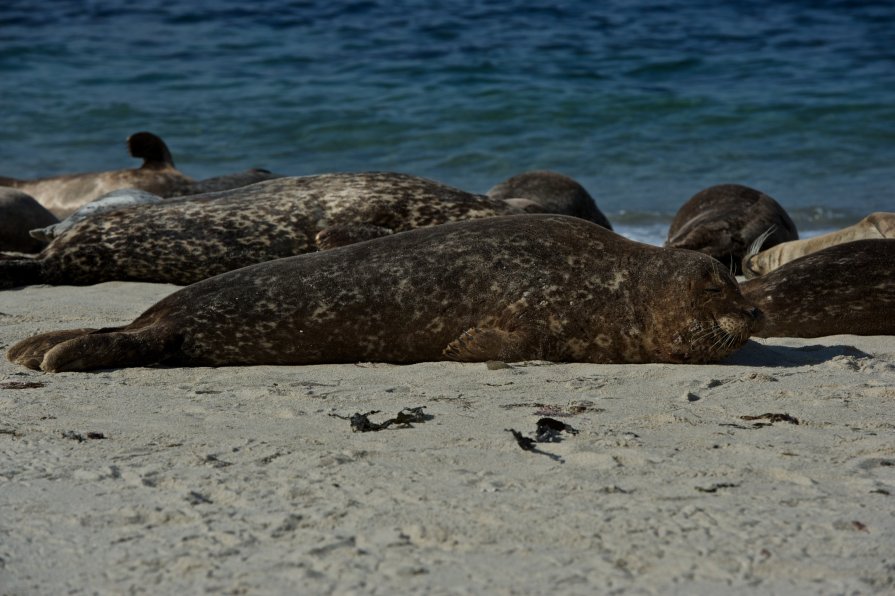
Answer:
x=875 y=226
x=555 y=192
x=545 y=287
x=722 y=221
x=64 y=194
x=186 y=239
x=19 y=212
x=116 y=199
x=845 y=288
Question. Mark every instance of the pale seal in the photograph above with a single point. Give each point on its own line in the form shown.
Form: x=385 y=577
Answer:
x=186 y=239
x=19 y=212
x=875 y=226
x=116 y=199
x=158 y=175
x=847 y=288
x=64 y=194
x=555 y=192
x=528 y=287
x=722 y=221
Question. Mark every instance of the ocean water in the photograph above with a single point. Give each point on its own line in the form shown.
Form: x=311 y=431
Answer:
x=643 y=102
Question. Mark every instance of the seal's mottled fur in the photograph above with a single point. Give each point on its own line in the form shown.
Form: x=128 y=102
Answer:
x=184 y=240
x=846 y=288
x=545 y=287
x=722 y=221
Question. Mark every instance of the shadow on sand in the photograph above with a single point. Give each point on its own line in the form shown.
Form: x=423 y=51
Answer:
x=756 y=354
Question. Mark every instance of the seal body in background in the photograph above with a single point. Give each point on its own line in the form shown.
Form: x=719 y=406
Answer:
x=528 y=287
x=63 y=195
x=759 y=262
x=19 y=213
x=723 y=221
x=555 y=192
x=847 y=288
x=186 y=239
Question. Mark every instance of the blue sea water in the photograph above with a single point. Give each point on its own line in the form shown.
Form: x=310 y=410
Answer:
x=645 y=102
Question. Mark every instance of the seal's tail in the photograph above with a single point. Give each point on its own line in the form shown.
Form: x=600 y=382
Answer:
x=15 y=272
x=89 y=349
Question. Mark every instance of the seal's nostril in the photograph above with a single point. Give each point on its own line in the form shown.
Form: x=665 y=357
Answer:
x=753 y=312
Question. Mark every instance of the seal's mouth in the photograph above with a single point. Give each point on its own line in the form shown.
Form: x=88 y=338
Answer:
x=718 y=337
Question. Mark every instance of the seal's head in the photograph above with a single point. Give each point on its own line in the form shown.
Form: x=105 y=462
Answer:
x=702 y=316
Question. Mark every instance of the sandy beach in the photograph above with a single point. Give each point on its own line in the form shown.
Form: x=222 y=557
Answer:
x=772 y=472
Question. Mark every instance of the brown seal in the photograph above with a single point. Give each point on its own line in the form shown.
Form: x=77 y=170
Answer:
x=556 y=193
x=846 y=288
x=722 y=221
x=545 y=287
x=186 y=239
x=875 y=226
x=20 y=213
x=64 y=194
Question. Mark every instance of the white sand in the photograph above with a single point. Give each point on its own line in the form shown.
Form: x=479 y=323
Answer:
x=238 y=480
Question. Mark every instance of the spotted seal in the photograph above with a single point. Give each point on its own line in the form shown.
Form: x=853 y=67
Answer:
x=116 y=199
x=545 y=287
x=186 y=239
x=722 y=221
x=19 y=212
x=555 y=192
x=759 y=262
x=845 y=288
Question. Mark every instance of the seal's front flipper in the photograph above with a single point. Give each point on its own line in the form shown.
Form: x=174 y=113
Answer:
x=345 y=234
x=30 y=352
x=479 y=345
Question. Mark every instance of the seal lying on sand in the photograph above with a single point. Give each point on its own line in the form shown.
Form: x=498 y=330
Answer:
x=546 y=287
x=722 y=221
x=555 y=192
x=184 y=240
x=19 y=213
x=116 y=199
x=846 y=288
x=875 y=226
x=64 y=194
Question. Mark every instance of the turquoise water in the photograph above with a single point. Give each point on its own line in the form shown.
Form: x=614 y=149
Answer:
x=645 y=103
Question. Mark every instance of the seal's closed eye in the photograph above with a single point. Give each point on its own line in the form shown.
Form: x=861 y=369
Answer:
x=713 y=290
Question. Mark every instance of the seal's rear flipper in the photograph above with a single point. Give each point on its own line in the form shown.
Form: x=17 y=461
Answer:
x=15 y=272
x=345 y=234
x=480 y=345
x=89 y=349
x=30 y=352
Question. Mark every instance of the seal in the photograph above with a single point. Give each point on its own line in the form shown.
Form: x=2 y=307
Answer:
x=109 y=202
x=875 y=226
x=19 y=212
x=62 y=195
x=545 y=287
x=845 y=288
x=228 y=181
x=186 y=239
x=555 y=192
x=722 y=221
